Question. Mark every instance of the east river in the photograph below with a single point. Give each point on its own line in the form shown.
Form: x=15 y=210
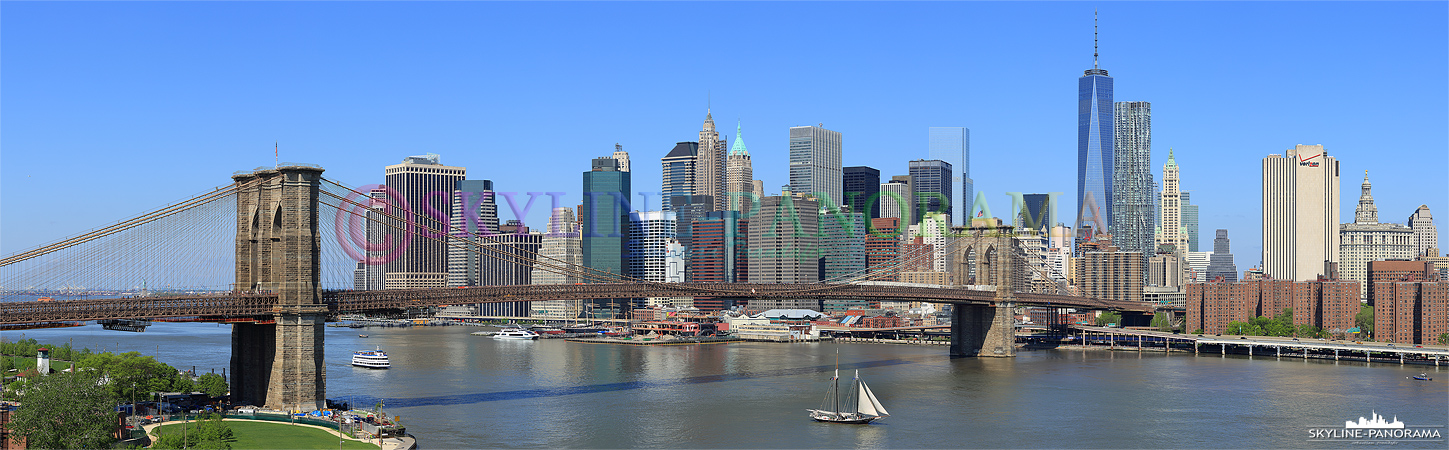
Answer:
x=454 y=390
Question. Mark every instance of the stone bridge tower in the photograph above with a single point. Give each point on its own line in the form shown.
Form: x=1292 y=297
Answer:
x=987 y=254
x=279 y=366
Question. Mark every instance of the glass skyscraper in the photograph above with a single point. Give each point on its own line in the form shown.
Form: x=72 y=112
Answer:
x=953 y=145
x=601 y=216
x=931 y=184
x=862 y=190
x=815 y=163
x=1094 y=151
x=1133 y=200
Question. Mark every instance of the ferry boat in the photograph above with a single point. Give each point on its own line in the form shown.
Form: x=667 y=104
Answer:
x=372 y=359
x=515 y=333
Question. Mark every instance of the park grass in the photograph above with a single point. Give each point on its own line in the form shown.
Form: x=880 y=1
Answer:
x=267 y=435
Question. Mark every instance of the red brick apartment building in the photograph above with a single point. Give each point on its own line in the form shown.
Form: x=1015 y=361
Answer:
x=1327 y=304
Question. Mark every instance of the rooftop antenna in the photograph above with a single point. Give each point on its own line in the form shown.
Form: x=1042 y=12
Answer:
x=1094 y=39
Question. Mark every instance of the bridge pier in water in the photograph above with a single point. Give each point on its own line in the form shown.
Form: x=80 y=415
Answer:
x=280 y=366
x=987 y=330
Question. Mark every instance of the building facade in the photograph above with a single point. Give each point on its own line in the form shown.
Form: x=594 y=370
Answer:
x=419 y=180
x=1221 y=266
x=561 y=247
x=842 y=244
x=1367 y=240
x=603 y=216
x=953 y=145
x=784 y=244
x=1111 y=274
x=897 y=200
x=931 y=185
x=1426 y=237
x=1411 y=312
x=862 y=190
x=653 y=252
x=718 y=254
x=1170 y=230
x=883 y=244
x=1190 y=221
x=474 y=218
x=740 y=176
x=1300 y=213
x=680 y=165
x=1133 y=223
x=815 y=164
x=1328 y=305
x=1095 y=144
x=709 y=167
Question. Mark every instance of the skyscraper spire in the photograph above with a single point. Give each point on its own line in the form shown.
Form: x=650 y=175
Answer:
x=1094 y=39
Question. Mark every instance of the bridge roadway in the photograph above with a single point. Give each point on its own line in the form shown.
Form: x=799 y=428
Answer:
x=241 y=304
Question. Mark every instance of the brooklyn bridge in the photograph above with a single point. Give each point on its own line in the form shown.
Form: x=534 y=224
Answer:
x=282 y=275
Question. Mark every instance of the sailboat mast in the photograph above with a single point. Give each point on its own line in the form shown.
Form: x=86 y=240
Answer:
x=835 y=382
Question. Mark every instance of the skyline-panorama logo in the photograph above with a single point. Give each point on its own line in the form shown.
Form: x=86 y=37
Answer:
x=1375 y=429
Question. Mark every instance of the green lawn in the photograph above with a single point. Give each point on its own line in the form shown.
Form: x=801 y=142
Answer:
x=268 y=435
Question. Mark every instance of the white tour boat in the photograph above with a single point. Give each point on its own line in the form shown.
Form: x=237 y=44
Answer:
x=372 y=359
x=515 y=333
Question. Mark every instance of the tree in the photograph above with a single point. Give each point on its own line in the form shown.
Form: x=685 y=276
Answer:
x=1444 y=339
x=1161 y=322
x=1364 y=320
x=209 y=433
x=213 y=384
x=133 y=375
x=1108 y=318
x=66 y=410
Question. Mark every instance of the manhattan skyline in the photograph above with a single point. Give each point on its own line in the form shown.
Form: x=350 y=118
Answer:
x=106 y=98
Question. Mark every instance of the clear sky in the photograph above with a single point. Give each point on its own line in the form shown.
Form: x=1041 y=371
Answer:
x=114 y=109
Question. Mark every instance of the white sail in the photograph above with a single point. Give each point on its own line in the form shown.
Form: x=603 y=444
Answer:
x=875 y=407
x=865 y=402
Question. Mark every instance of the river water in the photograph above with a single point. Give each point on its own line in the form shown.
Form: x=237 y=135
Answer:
x=454 y=390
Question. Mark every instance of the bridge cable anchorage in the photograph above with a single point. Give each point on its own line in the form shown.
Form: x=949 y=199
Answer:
x=455 y=235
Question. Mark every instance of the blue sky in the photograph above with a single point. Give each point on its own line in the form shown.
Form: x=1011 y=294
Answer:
x=113 y=109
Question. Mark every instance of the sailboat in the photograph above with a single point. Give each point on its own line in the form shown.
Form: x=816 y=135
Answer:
x=859 y=402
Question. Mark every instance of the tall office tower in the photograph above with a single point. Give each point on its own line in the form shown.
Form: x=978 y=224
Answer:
x=679 y=173
x=862 y=189
x=783 y=241
x=1426 y=237
x=718 y=252
x=419 y=180
x=474 y=219
x=740 y=176
x=897 y=199
x=815 y=163
x=1367 y=240
x=507 y=258
x=359 y=276
x=1036 y=213
x=1221 y=262
x=651 y=234
x=883 y=244
x=1300 y=213
x=1095 y=147
x=931 y=184
x=1190 y=220
x=621 y=156
x=603 y=215
x=709 y=168
x=1170 y=230
x=953 y=145
x=561 y=248
x=1132 y=197
x=842 y=243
